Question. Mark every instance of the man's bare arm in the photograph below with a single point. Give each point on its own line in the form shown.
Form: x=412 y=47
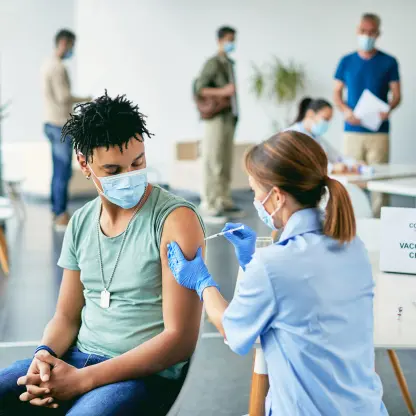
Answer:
x=396 y=94
x=61 y=331
x=181 y=312
x=338 y=96
x=340 y=104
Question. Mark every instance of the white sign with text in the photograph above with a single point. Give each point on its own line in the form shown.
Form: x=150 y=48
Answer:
x=398 y=240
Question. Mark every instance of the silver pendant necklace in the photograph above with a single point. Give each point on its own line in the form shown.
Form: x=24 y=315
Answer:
x=105 y=294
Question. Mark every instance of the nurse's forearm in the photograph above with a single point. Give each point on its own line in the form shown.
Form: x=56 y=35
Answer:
x=215 y=306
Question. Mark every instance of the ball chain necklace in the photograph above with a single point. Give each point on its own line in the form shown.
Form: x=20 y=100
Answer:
x=106 y=294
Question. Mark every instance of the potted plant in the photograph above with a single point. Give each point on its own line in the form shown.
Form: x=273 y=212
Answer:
x=280 y=83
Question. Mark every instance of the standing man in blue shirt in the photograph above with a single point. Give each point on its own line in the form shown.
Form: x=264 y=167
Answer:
x=372 y=69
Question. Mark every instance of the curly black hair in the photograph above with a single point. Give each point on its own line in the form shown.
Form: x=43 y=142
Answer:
x=105 y=122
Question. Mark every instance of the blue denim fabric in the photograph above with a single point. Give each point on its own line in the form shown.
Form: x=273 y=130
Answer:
x=148 y=396
x=62 y=168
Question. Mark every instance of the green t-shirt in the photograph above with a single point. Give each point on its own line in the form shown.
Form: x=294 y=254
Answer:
x=135 y=312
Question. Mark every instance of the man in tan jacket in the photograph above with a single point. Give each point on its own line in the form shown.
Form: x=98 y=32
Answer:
x=58 y=103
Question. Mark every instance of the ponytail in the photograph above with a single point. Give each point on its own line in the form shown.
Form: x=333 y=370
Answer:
x=309 y=104
x=297 y=164
x=302 y=109
x=339 y=220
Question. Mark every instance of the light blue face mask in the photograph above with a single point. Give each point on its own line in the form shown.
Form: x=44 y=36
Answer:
x=229 y=47
x=68 y=54
x=320 y=128
x=263 y=214
x=366 y=43
x=125 y=189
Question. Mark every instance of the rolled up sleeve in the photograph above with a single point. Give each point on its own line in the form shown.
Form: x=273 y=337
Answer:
x=252 y=310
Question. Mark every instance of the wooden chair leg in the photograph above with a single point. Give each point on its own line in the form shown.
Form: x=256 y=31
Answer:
x=401 y=380
x=4 y=262
x=259 y=385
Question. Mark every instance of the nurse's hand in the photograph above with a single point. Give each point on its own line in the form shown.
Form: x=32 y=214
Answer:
x=244 y=242
x=192 y=274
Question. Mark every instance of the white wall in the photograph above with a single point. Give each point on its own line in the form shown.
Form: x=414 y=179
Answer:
x=152 y=50
x=27 y=30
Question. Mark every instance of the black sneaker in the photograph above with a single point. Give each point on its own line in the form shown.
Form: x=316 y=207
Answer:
x=234 y=212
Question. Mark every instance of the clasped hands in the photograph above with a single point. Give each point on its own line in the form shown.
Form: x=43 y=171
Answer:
x=194 y=275
x=50 y=379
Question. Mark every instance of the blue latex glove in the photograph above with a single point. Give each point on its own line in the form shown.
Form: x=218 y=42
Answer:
x=244 y=242
x=191 y=274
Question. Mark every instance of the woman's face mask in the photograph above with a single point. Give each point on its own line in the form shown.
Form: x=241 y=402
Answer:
x=320 y=127
x=263 y=214
x=125 y=189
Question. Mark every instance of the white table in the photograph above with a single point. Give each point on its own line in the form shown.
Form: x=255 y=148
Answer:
x=403 y=186
x=392 y=291
x=381 y=172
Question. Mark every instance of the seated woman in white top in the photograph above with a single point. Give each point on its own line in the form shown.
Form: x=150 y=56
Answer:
x=313 y=119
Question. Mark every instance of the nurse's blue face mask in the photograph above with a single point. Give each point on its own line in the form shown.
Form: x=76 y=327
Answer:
x=263 y=214
x=320 y=127
x=125 y=189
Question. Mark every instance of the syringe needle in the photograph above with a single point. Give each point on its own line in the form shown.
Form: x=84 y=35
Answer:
x=224 y=232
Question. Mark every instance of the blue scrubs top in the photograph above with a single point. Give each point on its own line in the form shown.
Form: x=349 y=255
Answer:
x=310 y=300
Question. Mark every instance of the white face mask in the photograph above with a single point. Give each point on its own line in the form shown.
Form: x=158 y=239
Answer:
x=263 y=214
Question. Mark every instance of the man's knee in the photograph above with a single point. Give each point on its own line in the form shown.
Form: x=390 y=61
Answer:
x=8 y=380
x=124 y=398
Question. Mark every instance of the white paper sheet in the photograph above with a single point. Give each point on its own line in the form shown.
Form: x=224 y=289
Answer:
x=368 y=110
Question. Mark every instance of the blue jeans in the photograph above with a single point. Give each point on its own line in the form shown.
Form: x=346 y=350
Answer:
x=152 y=395
x=62 y=168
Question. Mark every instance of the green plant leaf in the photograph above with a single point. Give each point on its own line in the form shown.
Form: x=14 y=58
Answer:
x=257 y=82
x=287 y=81
x=3 y=109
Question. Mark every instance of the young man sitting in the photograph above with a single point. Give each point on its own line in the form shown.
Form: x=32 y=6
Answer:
x=123 y=330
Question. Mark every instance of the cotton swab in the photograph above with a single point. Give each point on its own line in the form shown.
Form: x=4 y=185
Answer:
x=224 y=232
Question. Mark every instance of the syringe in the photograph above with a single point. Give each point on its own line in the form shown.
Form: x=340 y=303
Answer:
x=224 y=232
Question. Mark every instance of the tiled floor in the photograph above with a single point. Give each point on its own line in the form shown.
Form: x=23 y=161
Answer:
x=220 y=380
